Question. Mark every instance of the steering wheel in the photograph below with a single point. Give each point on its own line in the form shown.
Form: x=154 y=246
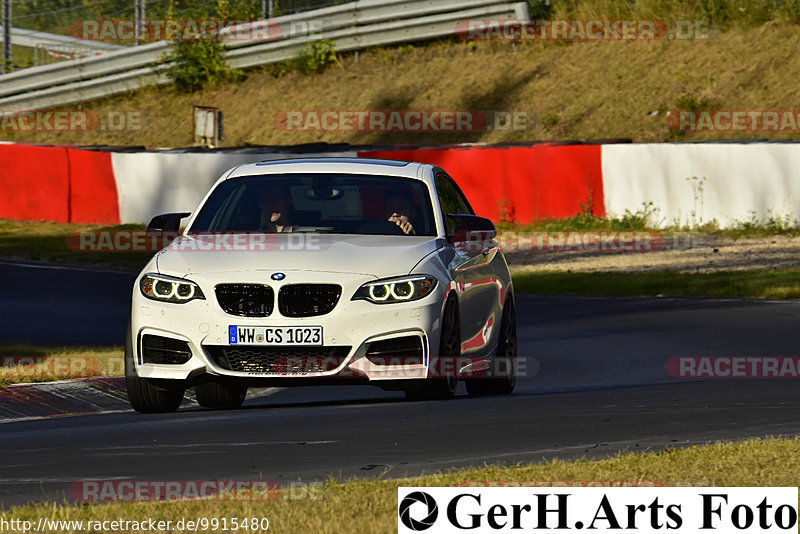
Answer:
x=381 y=228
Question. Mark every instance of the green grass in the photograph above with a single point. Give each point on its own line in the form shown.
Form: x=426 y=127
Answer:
x=640 y=219
x=755 y=284
x=370 y=505
x=756 y=227
x=644 y=219
x=57 y=363
x=47 y=242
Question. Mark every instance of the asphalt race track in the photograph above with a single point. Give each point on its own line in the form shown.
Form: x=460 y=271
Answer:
x=595 y=384
x=51 y=305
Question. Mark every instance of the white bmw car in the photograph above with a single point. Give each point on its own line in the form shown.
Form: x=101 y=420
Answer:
x=323 y=271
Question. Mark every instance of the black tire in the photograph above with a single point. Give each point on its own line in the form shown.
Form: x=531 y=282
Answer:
x=441 y=388
x=505 y=361
x=147 y=395
x=213 y=394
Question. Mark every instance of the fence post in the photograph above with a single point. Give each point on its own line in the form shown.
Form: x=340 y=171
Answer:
x=6 y=36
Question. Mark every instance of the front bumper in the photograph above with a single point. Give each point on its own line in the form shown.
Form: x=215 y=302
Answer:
x=353 y=329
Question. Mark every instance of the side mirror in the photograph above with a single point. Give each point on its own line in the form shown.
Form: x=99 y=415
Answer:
x=471 y=232
x=167 y=222
x=471 y=223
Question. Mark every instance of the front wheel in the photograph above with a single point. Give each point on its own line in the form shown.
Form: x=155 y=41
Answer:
x=442 y=387
x=503 y=377
x=147 y=395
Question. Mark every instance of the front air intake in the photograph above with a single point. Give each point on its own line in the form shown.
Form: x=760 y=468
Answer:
x=164 y=350
x=279 y=360
x=396 y=351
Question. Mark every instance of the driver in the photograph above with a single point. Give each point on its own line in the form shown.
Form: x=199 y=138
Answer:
x=399 y=208
x=277 y=207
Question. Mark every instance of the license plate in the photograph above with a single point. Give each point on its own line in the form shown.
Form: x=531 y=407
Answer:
x=275 y=335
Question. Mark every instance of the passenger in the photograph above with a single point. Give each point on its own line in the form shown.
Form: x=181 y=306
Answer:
x=277 y=208
x=399 y=208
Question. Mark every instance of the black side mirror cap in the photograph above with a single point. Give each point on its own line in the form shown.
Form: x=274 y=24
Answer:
x=472 y=229
x=471 y=223
x=166 y=222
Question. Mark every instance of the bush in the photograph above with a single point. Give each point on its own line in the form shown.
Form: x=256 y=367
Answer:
x=316 y=57
x=194 y=65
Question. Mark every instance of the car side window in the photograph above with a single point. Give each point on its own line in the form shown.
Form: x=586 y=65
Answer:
x=452 y=199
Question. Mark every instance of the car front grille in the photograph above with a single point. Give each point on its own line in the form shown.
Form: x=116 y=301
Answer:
x=164 y=350
x=279 y=360
x=246 y=300
x=308 y=300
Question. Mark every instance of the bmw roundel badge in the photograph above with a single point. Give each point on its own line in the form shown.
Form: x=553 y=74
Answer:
x=278 y=276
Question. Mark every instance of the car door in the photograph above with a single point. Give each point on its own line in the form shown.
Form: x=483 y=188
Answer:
x=475 y=272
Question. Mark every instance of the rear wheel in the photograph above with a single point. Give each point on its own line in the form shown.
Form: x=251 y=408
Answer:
x=147 y=395
x=443 y=387
x=214 y=394
x=503 y=376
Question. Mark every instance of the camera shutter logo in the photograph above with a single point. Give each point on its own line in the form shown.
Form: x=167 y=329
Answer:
x=404 y=510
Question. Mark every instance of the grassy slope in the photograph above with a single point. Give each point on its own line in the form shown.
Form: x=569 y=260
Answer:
x=578 y=91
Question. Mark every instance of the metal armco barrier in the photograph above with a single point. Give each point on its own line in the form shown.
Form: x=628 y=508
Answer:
x=352 y=26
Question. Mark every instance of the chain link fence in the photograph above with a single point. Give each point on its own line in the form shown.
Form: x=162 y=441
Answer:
x=59 y=16
x=289 y=7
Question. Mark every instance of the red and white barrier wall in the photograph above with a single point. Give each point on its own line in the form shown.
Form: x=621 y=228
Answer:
x=695 y=183
x=521 y=183
x=685 y=183
x=57 y=184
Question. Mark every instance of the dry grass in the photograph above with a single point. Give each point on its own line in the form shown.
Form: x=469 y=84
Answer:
x=371 y=505
x=578 y=91
x=46 y=241
x=29 y=363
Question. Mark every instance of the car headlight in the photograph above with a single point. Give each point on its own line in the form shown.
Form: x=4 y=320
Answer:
x=400 y=289
x=169 y=289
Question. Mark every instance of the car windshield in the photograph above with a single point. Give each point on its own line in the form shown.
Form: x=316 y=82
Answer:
x=325 y=203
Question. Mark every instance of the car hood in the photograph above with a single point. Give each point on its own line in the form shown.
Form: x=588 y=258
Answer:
x=378 y=256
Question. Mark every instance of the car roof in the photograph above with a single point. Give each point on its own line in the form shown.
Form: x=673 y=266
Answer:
x=385 y=167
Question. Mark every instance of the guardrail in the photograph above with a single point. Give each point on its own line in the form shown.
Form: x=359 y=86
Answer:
x=349 y=39
x=352 y=26
x=56 y=42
